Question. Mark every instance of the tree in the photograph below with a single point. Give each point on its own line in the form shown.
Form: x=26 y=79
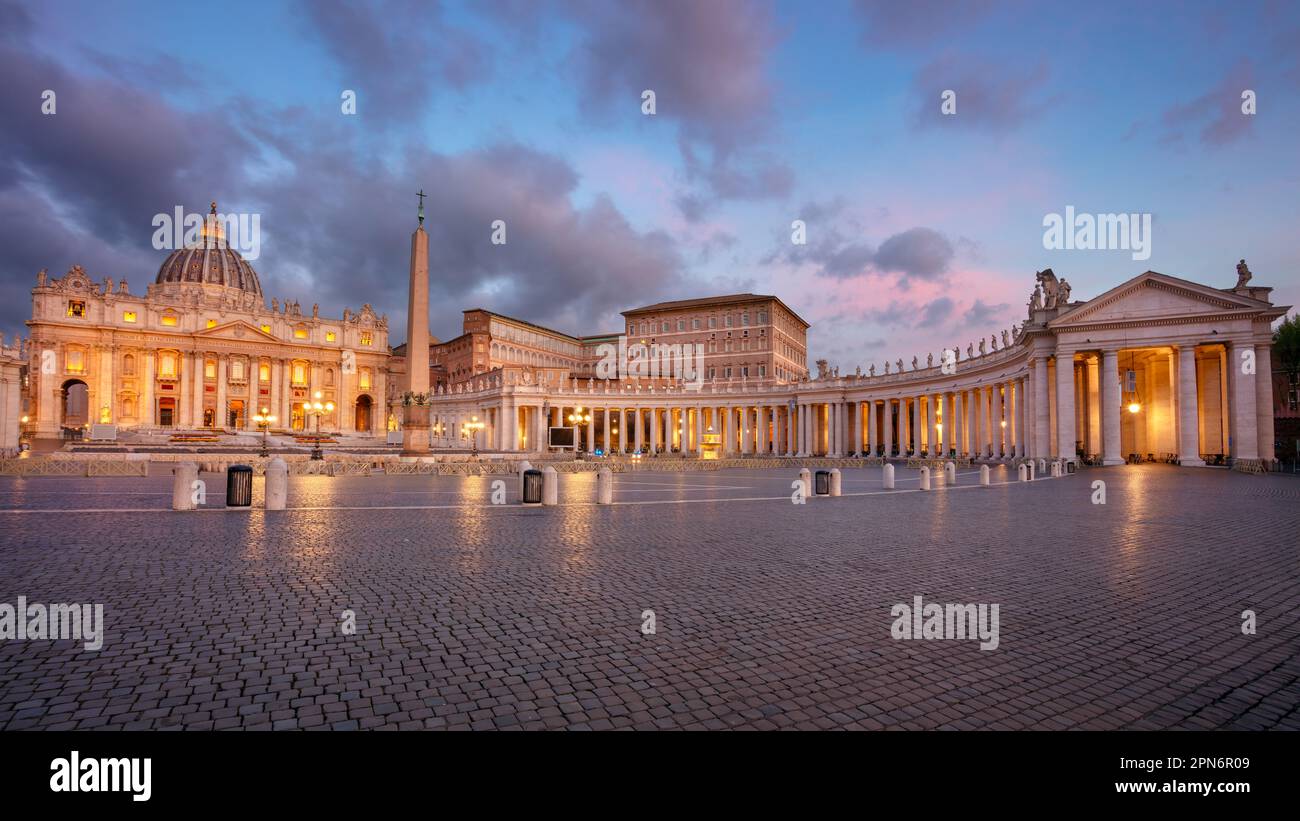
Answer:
x=1286 y=341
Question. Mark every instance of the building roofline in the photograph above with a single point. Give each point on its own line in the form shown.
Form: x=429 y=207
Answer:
x=725 y=299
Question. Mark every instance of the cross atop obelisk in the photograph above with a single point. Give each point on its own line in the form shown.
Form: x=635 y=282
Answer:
x=415 y=428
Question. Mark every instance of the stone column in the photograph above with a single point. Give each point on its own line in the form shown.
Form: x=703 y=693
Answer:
x=934 y=444
x=904 y=426
x=1111 y=414
x=591 y=430
x=1042 y=411
x=1189 y=452
x=637 y=441
x=915 y=429
x=1245 y=416
x=872 y=427
x=1264 y=433
x=1065 y=419
x=959 y=422
x=605 y=437
x=1021 y=431
x=222 y=415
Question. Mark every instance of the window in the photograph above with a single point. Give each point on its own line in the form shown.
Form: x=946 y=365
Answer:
x=365 y=379
x=762 y=317
x=643 y=328
x=264 y=372
x=727 y=372
x=209 y=369
x=329 y=377
x=266 y=329
x=299 y=373
x=168 y=319
x=299 y=333
x=713 y=322
x=713 y=373
x=330 y=336
x=744 y=371
x=728 y=320
x=77 y=308
x=745 y=334
x=631 y=329
x=128 y=365
x=167 y=365
x=128 y=316
x=744 y=318
x=365 y=337
x=212 y=323
x=762 y=371
x=695 y=324
x=663 y=328
x=681 y=324
x=237 y=370
x=76 y=361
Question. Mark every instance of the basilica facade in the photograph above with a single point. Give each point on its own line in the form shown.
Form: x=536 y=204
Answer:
x=199 y=350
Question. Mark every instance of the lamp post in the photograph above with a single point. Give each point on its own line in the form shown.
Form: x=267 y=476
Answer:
x=264 y=421
x=317 y=409
x=579 y=418
x=469 y=430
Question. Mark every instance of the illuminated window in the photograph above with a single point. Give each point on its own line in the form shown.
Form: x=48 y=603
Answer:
x=168 y=320
x=212 y=323
x=210 y=369
x=365 y=337
x=167 y=365
x=264 y=372
x=76 y=361
x=365 y=379
x=128 y=316
x=299 y=333
x=76 y=307
x=299 y=373
x=237 y=369
x=266 y=329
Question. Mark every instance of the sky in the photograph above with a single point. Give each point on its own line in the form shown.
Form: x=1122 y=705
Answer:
x=922 y=229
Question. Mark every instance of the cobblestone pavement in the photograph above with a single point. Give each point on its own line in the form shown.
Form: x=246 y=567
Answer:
x=768 y=614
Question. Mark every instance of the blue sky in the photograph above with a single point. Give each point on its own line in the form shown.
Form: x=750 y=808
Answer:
x=923 y=230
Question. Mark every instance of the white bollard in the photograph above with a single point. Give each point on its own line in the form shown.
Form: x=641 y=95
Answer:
x=984 y=474
x=1042 y=466
x=277 y=484
x=1022 y=472
x=925 y=477
x=550 y=486
x=805 y=478
x=835 y=481
x=1032 y=472
x=950 y=472
x=187 y=473
x=887 y=476
x=604 y=486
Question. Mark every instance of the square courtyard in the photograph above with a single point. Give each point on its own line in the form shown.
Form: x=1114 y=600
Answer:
x=766 y=614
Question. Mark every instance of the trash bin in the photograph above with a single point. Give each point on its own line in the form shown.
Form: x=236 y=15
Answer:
x=822 y=482
x=532 y=490
x=1069 y=467
x=239 y=486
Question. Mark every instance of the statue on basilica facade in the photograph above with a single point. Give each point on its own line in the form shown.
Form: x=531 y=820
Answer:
x=1006 y=339
x=1243 y=274
x=929 y=360
x=1063 y=294
x=982 y=346
x=40 y=278
x=872 y=370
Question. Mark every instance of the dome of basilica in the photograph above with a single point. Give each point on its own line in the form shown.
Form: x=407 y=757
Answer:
x=210 y=261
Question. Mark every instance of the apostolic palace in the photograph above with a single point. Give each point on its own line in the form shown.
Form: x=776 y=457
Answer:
x=1157 y=366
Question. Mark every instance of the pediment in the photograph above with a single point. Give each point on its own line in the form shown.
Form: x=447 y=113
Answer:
x=1156 y=296
x=238 y=329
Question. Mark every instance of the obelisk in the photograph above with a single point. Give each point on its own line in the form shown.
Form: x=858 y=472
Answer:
x=415 y=427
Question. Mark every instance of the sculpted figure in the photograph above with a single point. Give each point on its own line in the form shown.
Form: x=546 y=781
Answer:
x=914 y=363
x=970 y=351
x=1063 y=294
x=993 y=342
x=315 y=310
x=40 y=278
x=886 y=367
x=900 y=364
x=1243 y=274
x=929 y=360
x=872 y=369
x=121 y=286
x=858 y=372
x=1006 y=339
x=981 y=346
x=1035 y=300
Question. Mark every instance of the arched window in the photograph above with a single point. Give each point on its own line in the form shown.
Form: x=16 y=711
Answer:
x=128 y=365
x=329 y=377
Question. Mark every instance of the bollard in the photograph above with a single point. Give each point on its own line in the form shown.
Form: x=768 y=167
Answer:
x=925 y=477
x=1032 y=473
x=277 y=484
x=524 y=467
x=984 y=474
x=604 y=486
x=1022 y=472
x=887 y=476
x=835 y=482
x=805 y=478
x=550 y=486
x=1042 y=466
x=950 y=472
x=187 y=473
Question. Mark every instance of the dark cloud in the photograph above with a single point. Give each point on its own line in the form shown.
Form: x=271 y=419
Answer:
x=991 y=95
x=1216 y=113
x=981 y=313
x=918 y=253
x=935 y=312
x=395 y=55
x=906 y=25
x=83 y=185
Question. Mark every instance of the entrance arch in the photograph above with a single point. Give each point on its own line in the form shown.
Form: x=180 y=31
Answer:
x=76 y=403
x=363 y=414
